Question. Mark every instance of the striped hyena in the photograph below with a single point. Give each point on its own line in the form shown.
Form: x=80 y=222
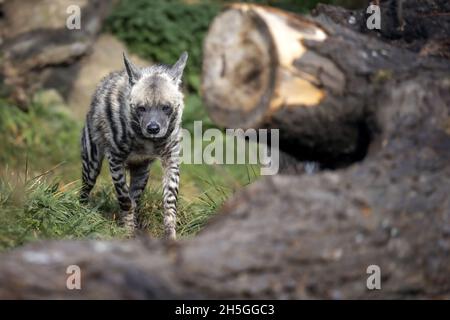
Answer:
x=134 y=118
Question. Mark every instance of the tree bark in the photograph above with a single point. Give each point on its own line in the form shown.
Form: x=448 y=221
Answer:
x=316 y=83
x=306 y=236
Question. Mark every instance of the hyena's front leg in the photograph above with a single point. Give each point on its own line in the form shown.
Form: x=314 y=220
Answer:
x=138 y=179
x=126 y=203
x=171 y=182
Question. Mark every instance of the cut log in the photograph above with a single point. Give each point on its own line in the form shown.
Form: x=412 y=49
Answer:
x=316 y=83
x=249 y=69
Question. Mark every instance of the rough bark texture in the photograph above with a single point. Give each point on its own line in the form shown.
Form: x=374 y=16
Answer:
x=307 y=236
x=422 y=26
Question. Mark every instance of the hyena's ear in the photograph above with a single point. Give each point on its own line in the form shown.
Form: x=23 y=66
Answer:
x=177 y=69
x=133 y=72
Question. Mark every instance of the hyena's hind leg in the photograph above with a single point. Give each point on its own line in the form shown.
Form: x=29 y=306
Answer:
x=92 y=157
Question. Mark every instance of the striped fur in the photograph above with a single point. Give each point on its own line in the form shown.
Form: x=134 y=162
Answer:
x=135 y=118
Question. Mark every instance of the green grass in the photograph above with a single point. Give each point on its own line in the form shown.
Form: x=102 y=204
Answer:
x=39 y=184
x=41 y=209
x=43 y=138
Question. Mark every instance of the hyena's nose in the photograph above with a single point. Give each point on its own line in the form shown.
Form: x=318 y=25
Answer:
x=153 y=127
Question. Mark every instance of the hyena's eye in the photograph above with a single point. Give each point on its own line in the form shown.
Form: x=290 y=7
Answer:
x=140 y=109
x=166 y=109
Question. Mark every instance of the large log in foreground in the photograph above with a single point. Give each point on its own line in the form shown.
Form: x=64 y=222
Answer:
x=317 y=83
x=307 y=236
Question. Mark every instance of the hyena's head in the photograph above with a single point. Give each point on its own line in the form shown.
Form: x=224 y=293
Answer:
x=156 y=99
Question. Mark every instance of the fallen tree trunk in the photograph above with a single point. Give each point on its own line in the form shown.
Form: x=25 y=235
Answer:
x=294 y=236
x=317 y=83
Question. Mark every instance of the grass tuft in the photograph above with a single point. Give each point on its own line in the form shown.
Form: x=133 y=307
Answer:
x=41 y=209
